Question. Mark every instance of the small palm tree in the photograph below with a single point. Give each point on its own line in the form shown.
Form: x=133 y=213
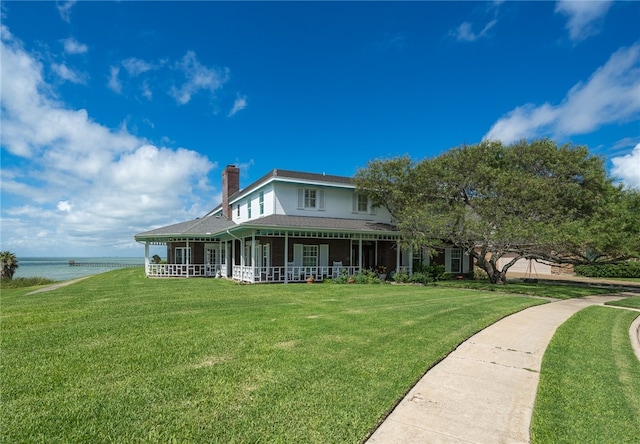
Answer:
x=156 y=259
x=9 y=264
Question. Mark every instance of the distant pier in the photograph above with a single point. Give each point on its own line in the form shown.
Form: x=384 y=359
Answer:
x=73 y=263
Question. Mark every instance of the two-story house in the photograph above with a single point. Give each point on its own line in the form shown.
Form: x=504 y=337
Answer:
x=285 y=227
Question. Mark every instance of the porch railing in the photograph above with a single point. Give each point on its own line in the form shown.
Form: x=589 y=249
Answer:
x=182 y=270
x=252 y=274
x=289 y=274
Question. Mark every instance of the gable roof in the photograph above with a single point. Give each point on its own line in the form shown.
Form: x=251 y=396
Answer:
x=214 y=224
x=203 y=226
x=291 y=176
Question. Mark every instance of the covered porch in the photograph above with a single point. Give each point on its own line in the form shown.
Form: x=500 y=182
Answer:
x=278 y=255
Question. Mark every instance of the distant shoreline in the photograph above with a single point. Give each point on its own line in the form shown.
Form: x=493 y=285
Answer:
x=58 y=269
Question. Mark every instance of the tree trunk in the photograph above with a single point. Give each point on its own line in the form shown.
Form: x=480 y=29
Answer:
x=498 y=277
x=495 y=275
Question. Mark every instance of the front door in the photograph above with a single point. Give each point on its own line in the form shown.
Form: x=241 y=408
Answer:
x=212 y=260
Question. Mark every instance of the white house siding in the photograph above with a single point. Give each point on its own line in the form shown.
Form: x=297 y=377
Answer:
x=338 y=203
x=254 y=197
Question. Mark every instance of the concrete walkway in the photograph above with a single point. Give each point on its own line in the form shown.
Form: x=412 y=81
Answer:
x=484 y=391
x=58 y=285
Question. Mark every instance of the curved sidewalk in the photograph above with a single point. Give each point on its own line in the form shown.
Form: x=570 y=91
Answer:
x=484 y=391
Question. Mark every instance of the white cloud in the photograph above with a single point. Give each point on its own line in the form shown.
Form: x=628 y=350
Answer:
x=81 y=185
x=66 y=73
x=627 y=168
x=465 y=33
x=197 y=77
x=72 y=46
x=114 y=82
x=64 y=8
x=612 y=94
x=584 y=17
x=238 y=105
x=135 y=66
x=64 y=205
x=146 y=91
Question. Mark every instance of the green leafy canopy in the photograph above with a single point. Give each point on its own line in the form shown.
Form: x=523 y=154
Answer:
x=535 y=199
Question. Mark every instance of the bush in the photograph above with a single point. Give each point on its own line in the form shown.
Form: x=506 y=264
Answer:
x=622 y=270
x=421 y=278
x=364 y=277
x=437 y=272
x=401 y=277
x=25 y=282
x=367 y=277
x=479 y=274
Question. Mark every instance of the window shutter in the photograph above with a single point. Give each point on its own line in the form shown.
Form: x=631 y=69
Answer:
x=300 y=198
x=354 y=203
x=372 y=209
x=447 y=260
x=465 y=262
x=297 y=255
x=405 y=259
x=321 y=200
x=324 y=255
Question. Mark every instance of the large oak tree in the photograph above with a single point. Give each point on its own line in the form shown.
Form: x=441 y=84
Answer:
x=535 y=199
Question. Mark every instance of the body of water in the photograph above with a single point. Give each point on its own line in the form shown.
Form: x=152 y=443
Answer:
x=58 y=268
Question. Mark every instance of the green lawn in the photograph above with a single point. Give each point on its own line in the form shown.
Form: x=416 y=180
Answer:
x=631 y=302
x=589 y=389
x=557 y=291
x=121 y=358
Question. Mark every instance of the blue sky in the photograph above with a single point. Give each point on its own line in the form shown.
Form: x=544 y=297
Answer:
x=118 y=117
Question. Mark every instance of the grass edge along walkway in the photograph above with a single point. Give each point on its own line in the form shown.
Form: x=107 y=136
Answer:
x=121 y=358
x=589 y=389
x=485 y=390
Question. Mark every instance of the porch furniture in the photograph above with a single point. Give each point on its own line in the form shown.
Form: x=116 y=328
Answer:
x=337 y=269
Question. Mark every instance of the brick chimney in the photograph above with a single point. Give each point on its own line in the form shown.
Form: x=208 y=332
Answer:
x=230 y=185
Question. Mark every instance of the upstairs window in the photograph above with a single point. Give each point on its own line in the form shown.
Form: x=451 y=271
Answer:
x=249 y=208
x=309 y=198
x=363 y=203
x=238 y=210
x=261 y=202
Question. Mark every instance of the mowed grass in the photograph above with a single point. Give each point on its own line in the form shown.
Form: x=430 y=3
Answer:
x=589 y=389
x=121 y=358
x=556 y=291
x=630 y=302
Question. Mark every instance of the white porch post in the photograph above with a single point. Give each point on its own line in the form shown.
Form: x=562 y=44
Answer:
x=360 y=253
x=146 y=258
x=233 y=255
x=253 y=256
x=188 y=255
x=286 y=257
x=226 y=259
x=398 y=256
x=411 y=261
